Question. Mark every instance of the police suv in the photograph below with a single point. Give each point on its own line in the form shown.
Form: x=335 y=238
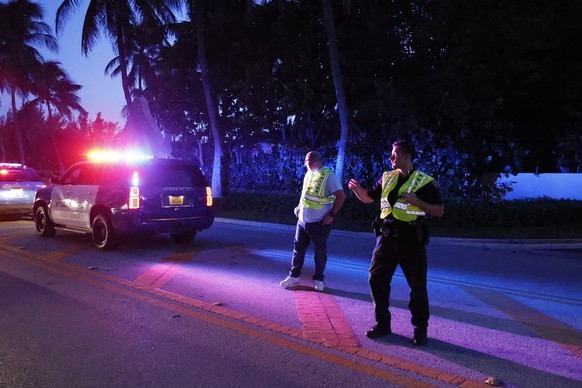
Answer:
x=111 y=197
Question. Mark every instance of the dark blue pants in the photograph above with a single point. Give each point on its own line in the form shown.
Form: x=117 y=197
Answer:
x=305 y=233
x=387 y=255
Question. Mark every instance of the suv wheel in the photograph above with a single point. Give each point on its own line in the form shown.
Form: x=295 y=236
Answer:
x=183 y=237
x=44 y=226
x=103 y=233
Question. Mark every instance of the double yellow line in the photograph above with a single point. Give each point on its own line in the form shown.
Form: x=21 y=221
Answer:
x=148 y=288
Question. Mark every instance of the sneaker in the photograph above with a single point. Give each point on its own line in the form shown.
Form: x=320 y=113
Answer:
x=378 y=331
x=318 y=284
x=289 y=281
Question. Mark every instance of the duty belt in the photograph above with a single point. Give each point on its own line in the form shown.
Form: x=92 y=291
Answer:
x=389 y=231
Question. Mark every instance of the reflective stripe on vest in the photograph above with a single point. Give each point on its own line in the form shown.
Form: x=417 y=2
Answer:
x=389 y=180
x=313 y=193
x=402 y=211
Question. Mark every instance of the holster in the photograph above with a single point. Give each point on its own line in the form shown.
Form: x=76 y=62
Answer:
x=376 y=226
x=386 y=228
x=415 y=232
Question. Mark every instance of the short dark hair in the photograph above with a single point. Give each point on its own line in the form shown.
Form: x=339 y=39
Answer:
x=407 y=146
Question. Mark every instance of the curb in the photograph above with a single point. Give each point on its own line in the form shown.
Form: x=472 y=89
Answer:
x=537 y=243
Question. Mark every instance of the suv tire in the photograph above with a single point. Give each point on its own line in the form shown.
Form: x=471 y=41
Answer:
x=104 y=236
x=44 y=225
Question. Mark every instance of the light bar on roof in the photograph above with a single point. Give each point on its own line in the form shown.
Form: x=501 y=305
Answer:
x=117 y=156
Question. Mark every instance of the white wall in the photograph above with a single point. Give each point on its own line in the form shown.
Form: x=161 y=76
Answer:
x=557 y=186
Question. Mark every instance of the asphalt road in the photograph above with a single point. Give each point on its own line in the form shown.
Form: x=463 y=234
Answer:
x=156 y=314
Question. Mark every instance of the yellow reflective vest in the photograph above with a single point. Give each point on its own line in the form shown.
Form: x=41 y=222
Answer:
x=402 y=210
x=313 y=193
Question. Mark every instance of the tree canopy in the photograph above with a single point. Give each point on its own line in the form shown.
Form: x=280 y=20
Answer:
x=481 y=87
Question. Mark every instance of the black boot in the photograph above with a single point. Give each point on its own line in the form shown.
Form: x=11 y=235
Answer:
x=420 y=338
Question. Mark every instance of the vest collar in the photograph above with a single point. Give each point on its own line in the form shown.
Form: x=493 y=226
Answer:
x=317 y=170
x=404 y=175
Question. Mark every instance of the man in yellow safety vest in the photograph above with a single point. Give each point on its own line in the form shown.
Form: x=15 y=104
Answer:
x=407 y=196
x=321 y=199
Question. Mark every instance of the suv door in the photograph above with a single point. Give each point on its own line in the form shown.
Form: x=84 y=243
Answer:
x=74 y=195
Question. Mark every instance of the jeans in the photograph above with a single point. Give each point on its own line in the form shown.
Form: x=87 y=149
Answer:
x=304 y=234
x=387 y=255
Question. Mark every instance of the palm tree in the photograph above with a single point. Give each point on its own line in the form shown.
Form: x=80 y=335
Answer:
x=147 y=40
x=21 y=28
x=337 y=82
x=196 y=8
x=53 y=88
x=116 y=19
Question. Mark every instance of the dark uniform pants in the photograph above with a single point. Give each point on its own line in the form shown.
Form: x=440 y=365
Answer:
x=387 y=255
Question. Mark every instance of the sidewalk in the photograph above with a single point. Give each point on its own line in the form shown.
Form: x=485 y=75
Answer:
x=538 y=243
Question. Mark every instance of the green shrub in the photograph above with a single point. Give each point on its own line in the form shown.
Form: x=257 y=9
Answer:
x=534 y=218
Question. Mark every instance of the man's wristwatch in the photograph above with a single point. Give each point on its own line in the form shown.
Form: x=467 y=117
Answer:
x=331 y=214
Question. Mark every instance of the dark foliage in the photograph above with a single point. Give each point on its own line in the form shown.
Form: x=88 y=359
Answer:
x=481 y=87
x=539 y=218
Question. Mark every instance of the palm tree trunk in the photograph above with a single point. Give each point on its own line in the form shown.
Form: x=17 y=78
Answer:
x=337 y=82
x=51 y=130
x=198 y=11
x=19 y=141
x=2 y=149
x=124 y=77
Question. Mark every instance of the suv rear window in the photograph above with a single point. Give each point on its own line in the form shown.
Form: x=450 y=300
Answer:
x=172 y=175
x=155 y=174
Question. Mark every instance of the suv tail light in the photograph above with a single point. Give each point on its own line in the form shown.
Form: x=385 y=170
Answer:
x=208 y=196
x=134 y=191
x=134 y=197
